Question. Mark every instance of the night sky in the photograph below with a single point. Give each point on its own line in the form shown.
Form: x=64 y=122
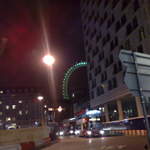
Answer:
x=21 y=41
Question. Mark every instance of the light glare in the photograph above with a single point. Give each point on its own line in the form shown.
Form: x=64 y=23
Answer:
x=48 y=60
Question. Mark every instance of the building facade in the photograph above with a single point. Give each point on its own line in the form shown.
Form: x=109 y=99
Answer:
x=20 y=107
x=108 y=27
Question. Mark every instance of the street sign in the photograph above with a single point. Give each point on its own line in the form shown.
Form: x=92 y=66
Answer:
x=136 y=63
x=137 y=78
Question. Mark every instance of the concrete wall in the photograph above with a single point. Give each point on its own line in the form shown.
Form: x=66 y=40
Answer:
x=23 y=135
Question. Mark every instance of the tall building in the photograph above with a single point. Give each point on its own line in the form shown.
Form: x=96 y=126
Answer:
x=108 y=27
x=20 y=107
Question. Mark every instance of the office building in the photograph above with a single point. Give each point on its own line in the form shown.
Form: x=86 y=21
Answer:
x=108 y=27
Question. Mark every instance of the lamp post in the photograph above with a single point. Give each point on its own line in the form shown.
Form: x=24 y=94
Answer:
x=48 y=60
x=40 y=99
x=54 y=110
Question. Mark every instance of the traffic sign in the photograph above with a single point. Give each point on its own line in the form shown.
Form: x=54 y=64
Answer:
x=137 y=64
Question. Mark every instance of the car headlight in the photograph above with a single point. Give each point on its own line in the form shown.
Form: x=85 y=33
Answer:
x=77 y=132
x=61 y=133
x=101 y=132
x=71 y=131
x=89 y=132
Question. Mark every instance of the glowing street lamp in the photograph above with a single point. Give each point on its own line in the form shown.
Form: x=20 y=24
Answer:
x=40 y=98
x=48 y=60
x=59 y=109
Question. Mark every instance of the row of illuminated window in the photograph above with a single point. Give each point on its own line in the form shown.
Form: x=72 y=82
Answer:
x=120 y=23
x=117 y=67
x=20 y=102
x=115 y=42
x=95 y=15
x=129 y=109
x=20 y=112
x=19 y=90
x=100 y=90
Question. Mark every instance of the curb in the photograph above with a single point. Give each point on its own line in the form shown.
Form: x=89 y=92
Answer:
x=131 y=132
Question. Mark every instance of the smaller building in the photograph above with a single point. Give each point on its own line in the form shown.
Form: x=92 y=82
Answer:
x=19 y=107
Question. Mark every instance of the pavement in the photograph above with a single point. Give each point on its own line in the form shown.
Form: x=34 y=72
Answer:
x=103 y=143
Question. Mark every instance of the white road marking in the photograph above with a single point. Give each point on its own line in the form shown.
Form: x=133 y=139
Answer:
x=122 y=146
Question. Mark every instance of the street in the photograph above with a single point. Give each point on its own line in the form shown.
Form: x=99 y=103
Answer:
x=104 y=143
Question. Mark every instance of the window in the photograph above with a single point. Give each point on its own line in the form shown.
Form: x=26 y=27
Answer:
x=108 y=37
x=92 y=94
x=20 y=102
x=0 y=102
x=109 y=85
x=1 y=113
x=105 y=75
x=101 y=56
x=1 y=92
x=94 y=83
x=8 y=119
x=98 y=91
x=135 y=22
x=119 y=66
x=114 y=83
x=99 y=2
x=140 y=48
x=136 y=5
x=123 y=20
x=20 y=112
x=112 y=45
x=115 y=69
x=125 y=4
x=118 y=25
x=127 y=44
x=111 y=59
x=141 y=34
x=7 y=107
x=116 y=41
x=105 y=16
x=106 y=3
x=90 y=76
x=99 y=69
x=13 y=106
x=98 y=37
x=114 y=3
x=128 y=29
x=88 y=59
x=129 y=107
x=113 y=111
x=106 y=62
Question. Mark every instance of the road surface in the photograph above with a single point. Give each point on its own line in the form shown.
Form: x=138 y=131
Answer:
x=104 y=143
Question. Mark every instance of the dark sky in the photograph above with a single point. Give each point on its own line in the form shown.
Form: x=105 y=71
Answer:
x=20 y=62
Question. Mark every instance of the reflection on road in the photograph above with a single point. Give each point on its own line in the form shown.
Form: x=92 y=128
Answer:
x=104 y=143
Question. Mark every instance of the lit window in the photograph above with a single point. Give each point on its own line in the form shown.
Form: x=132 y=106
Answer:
x=1 y=92
x=7 y=107
x=0 y=102
x=26 y=111
x=1 y=113
x=142 y=34
x=20 y=112
x=8 y=119
x=20 y=102
x=13 y=106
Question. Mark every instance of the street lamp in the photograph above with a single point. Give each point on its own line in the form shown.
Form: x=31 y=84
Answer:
x=54 y=110
x=59 y=109
x=48 y=60
x=40 y=98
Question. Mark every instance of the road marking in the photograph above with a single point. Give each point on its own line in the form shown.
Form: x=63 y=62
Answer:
x=107 y=147
x=122 y=146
